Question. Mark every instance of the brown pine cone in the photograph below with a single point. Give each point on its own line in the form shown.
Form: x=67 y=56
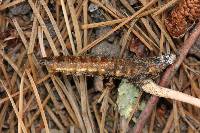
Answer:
x=180 y=19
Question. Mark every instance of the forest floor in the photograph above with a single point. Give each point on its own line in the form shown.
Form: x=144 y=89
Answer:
x=35 y=99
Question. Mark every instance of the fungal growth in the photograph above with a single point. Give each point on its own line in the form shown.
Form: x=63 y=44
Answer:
x=135 y=69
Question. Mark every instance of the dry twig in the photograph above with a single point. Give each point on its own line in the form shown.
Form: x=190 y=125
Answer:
x=150 y=87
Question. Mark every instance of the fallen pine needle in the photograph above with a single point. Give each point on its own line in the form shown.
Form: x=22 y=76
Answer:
x=38 y=101
x=150 y=87
x=21 y=103
x=14 y=107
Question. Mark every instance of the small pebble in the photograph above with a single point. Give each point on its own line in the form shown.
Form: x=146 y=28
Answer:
x=20 y=9
x=92 y=7
x=106 y=49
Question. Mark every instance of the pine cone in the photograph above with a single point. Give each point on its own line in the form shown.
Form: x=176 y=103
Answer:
x=180 y=19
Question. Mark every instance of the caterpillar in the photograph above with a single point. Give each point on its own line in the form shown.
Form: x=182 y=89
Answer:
x=136 y=69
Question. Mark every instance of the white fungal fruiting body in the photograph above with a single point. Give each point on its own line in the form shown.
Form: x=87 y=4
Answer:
x=150 y=87
x=167 y=59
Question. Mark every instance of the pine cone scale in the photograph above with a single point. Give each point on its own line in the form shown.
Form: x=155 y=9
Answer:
x=184 y=14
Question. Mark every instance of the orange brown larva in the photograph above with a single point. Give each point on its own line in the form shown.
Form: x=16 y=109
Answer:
x=135 y=69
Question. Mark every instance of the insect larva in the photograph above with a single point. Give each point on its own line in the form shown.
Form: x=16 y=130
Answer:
x=121 y=68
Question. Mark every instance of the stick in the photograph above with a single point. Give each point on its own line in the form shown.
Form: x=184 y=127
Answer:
x=152 y=88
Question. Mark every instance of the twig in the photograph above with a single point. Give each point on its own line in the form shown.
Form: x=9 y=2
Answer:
x=166 y=78
x=152 y=121
x=152 y=88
